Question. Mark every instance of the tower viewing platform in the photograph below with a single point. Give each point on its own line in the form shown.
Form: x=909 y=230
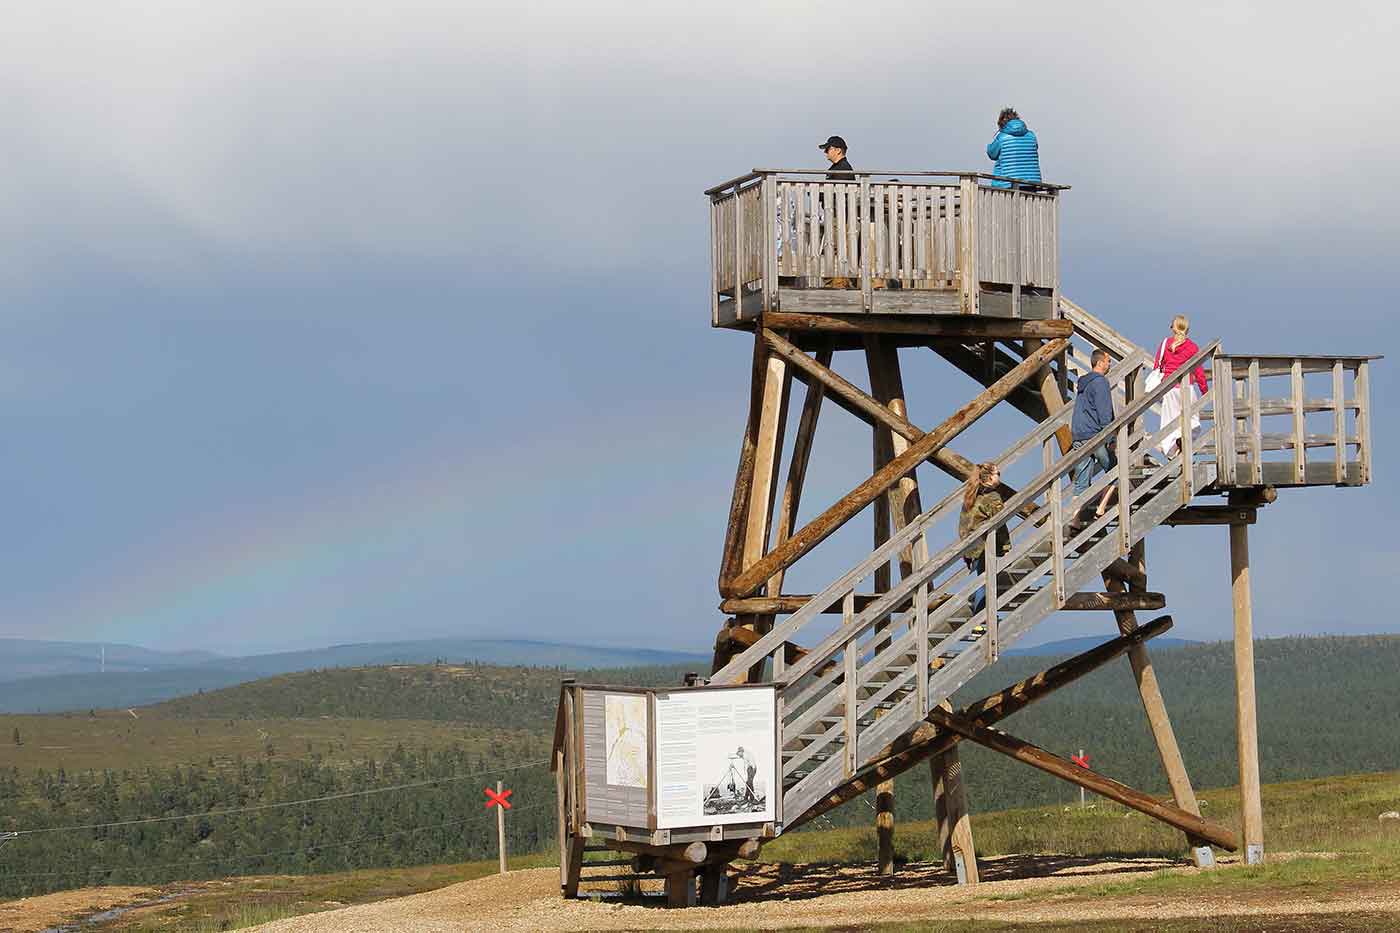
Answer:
x=883 y=242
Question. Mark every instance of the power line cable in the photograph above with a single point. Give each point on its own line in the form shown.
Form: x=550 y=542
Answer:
x=281 y=804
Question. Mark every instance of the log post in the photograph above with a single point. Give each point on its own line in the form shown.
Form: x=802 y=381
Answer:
x=1168 y=751
x=1246 y=725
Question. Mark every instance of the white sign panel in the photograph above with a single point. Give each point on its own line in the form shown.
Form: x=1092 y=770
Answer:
x=626 y=735
x=714 y=757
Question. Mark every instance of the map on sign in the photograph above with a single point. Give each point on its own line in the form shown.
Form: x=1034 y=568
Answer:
x=626 y=737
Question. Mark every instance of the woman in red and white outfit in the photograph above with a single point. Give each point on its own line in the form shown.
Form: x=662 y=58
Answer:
x=1174 y=351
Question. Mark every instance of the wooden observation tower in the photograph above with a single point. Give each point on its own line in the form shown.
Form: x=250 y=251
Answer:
x=942 y=266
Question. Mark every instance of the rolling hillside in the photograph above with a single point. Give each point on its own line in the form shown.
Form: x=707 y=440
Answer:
x=62 y=676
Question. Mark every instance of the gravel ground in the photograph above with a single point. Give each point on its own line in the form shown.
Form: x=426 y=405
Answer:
x=770 y=897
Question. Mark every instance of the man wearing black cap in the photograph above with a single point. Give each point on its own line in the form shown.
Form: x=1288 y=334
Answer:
x=835 y=149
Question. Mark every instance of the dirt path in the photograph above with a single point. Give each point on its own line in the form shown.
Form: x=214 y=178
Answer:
x=529 y=901
x=50 y=910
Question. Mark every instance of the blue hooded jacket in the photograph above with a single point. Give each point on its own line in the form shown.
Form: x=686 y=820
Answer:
x=1016 y=153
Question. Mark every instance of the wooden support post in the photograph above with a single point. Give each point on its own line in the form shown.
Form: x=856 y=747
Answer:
x=1163 y=736
x=1049 y=388
x=1246 y=725
x=817 y=530
x=758 y=511
x=680 y=889
x=1052 y=764
x=732 y=556
x=954 y=825
x=714 y=885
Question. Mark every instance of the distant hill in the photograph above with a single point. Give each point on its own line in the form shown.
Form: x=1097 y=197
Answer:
x=1068 y=646
x=26 y=657
x=151 y=683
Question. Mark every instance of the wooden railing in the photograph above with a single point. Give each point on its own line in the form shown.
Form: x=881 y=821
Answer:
x=923 y=231
x=1280 y=409
x=911 y=647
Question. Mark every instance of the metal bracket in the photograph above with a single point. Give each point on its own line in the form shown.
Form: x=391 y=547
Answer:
x=716 y=833
x=960 y=866
x=1254 y=855
x=662 y=837
x=1203 y=856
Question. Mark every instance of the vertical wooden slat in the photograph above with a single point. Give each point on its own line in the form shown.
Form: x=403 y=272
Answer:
x=1256 y=429
x=921 y=646
x=1299 y=423
x=853 y=230
x=1014 y=258
x=991 y=560
x=907 y=252
x=1362 y=389
x=769 y=209
x=840 y=231
x=714 y=264
x=814 y=229
x=1125 y=513
x=829 y=230
x=1339 y=422
x=1188 y=441
x=1050 y=451
x=866 y=246
x=848 y=613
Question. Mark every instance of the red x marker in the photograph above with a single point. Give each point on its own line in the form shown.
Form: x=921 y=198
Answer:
x=1081 y=760
x=495 y=798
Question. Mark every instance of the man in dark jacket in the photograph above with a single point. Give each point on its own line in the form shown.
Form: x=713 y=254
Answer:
x=1093 y=411
x=835 y=149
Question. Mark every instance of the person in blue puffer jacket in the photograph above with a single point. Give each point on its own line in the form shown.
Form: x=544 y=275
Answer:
x=1014 y=149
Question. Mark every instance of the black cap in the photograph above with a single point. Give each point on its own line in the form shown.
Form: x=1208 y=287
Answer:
x=836 y=141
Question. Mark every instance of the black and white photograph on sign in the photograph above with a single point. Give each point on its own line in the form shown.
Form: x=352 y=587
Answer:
x=715 y=759
x=738 y=789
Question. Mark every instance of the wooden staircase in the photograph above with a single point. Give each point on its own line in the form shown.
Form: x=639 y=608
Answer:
x=897 y=655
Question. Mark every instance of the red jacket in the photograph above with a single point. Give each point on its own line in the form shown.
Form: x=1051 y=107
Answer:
x=1170 y=360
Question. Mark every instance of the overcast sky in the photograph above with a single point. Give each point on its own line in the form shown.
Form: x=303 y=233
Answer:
x=327 y=323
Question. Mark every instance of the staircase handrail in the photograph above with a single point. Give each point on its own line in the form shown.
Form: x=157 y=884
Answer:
x=939 y=562
x=902 y=538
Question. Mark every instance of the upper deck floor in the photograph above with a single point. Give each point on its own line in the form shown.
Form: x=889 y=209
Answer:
x=884 y=242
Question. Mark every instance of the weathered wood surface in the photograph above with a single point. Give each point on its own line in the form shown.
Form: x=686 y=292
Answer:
x=1053 y=764
x=960 y=327
x=813 y=533
x=1075 y=602
x=1212 y=515
x=927 y=739
x=1246 y=718
x=732 y=556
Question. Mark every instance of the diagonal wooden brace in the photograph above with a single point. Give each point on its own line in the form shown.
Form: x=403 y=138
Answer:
x=1053 y=764
x=819 y=528
x=927 y=739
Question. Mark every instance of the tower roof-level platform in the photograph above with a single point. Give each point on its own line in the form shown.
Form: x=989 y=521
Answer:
x=915 y=242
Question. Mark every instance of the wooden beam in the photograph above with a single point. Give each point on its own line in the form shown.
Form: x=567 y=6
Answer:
x=1025 y=399
x=817 y=530
x=1246 y=723
x=1104 y=786
x=867 y=408
x=1211 y=515
x=797 y=468
x=959 y=327
x=927 y=739
x=1050 y=394
x=1075 y=602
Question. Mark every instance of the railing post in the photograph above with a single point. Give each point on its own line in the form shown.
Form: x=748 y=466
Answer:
x=921 y=645
x=1057 y=524
x=1362 y=389
x=770 y=244
x=1125 y=513
x=1300 y=437
x=990 y=561
x=848 y=613
x=738 y=256
x=1188 y=469
x=1226 y=460
x=1256 y=427
x=967 y=246
x=1339 y=422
